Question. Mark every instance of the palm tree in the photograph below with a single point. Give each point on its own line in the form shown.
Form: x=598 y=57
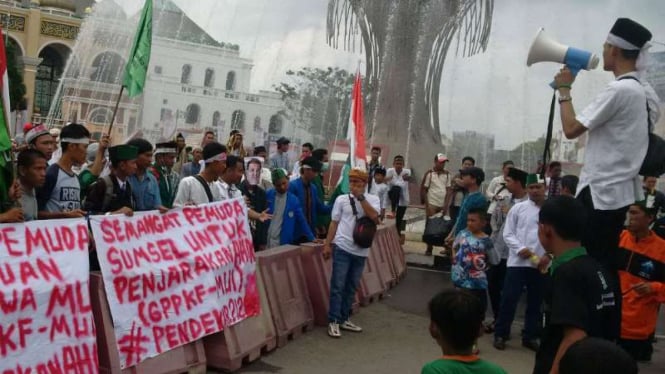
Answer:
x=405 y=44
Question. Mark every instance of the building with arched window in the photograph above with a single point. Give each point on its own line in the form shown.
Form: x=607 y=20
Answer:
x=194 y=82
x=43 y=34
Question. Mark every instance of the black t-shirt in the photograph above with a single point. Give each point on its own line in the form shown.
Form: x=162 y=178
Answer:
x=578 y=294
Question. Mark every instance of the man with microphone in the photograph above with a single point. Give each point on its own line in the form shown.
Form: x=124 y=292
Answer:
x=616 y=121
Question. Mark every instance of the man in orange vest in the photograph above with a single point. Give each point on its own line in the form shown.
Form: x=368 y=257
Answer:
x=641 y=263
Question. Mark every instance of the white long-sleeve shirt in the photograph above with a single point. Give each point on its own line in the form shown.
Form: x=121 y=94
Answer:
x=521 y=231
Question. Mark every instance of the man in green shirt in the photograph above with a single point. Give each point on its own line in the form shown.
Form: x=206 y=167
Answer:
x=456 y=318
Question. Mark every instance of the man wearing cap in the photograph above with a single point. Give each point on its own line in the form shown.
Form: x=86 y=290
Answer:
x=348 y=257
x=201 y=188
x=145 y=187
x=618 y=123
x=193 y=167
x=526 y=261
x=113 y=193
x=516 y=187
x=40 y=138
x=162 y=169
x=60 y=197
x=304 y=188
x=281 y=158
x=288 y=223
x=433 y=190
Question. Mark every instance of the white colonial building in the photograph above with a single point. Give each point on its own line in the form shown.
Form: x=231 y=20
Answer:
x=194 y=83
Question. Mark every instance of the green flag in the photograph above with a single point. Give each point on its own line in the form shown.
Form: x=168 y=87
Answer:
x=343 y=186
x=136 y=69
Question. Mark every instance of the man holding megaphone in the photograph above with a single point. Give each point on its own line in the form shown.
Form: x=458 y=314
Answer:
x=618 y=126
x=618 y=123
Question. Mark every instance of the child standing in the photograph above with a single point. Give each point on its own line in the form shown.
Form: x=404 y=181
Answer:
x=455 y=321
x=472 y=250
x=380 y=189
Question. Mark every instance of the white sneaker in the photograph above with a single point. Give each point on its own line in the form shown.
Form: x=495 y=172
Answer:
x=350 y=326
x=333 y=330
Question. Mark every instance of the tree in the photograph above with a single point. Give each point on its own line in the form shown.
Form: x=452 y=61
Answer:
x=318 y=100
x=16 y=86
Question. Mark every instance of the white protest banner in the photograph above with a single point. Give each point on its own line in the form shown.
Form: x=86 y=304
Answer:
x=46 y=323
x=173 y=278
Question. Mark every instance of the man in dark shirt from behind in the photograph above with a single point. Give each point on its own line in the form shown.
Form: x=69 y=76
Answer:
x=580 y=301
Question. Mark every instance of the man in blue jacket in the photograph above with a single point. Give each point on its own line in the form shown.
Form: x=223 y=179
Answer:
x=288 y=223
x=305 y=190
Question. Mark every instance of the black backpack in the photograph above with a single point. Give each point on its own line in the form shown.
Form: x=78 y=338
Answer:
x=365 y=228
x=654 y=161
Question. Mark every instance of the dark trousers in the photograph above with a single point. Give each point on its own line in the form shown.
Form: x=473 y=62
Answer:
x=495 y=279
x=346 y=273
x=516 y=279
x=639 y=350
x=453 y=212
x=399 y=219
x=601 y=239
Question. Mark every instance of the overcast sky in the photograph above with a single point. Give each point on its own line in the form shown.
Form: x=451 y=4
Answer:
x=492 y=92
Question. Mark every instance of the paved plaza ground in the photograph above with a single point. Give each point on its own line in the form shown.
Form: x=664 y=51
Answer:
x=396 y=337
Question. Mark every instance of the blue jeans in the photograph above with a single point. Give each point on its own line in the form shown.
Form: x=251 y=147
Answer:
x=346 y=272
x=516 y=279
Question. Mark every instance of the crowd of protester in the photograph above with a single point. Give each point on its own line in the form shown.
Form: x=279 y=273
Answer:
x=591 y=257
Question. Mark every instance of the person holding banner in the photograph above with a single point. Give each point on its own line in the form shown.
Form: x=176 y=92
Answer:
x=112 y=194
x=201 y=188
x=31 y=167
x=145 y=187
x=60 y=197
x=348 y=257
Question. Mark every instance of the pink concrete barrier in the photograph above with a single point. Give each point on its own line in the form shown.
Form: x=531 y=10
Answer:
x=389 y=236
x=245 y=341
x=286 y=289
x=189 y=358
x=317 y=275
x=380 y=253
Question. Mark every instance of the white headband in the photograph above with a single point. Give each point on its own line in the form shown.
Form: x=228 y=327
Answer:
x=217 y=157
x=642 y=58
x=75 y=141
x=622 y=43
x=36 y=133
x=165 y=150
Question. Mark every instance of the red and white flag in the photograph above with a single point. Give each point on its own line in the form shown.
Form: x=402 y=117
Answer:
x=356 y=132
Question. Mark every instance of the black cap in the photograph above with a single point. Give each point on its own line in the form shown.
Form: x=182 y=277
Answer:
x=631 y=31
x=283 y=140
x=518 y=175
x=258 y=149
x=475 y=172
x=311 y=162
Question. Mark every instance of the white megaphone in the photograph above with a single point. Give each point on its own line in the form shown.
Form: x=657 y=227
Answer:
x=546 y=49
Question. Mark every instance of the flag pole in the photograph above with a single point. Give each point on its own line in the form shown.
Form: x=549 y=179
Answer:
x=115 y=110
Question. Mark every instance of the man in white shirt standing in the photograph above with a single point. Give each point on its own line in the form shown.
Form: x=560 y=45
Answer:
x=618 y=126
x=434 y=188
x=397 y=178
x=526 y=260
x=497 y=190
x=348 y=257
x=201 y=188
